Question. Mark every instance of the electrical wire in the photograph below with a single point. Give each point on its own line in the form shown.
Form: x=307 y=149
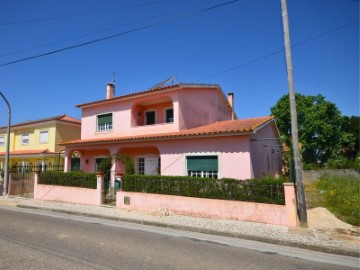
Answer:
x=81 y=36
x=122 y=33
x=83 y=14
x=277 y=52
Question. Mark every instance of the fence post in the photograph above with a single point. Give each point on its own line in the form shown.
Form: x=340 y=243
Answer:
x=99 y=188
x=290 y=203
x=36 y=181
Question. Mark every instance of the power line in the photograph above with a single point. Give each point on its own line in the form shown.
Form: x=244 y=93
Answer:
x=277 y=52
x=81 y=36
x=122 y=33
x=82 y=14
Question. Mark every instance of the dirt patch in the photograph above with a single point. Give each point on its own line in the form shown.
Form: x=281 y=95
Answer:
x=322 y=219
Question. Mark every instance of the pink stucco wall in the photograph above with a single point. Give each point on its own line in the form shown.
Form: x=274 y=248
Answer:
x=193 y=107
x=69 y=194
x=233 y=155
x=265 y=148
x=221 y=209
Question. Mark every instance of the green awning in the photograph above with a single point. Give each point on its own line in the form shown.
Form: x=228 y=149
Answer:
x=202 y=163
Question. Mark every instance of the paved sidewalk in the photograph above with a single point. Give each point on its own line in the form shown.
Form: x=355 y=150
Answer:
x=314 y=239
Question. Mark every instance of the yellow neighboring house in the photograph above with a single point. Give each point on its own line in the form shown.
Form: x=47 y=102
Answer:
x=35 y=144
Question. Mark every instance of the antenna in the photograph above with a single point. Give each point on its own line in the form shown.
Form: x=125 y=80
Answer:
x=114 y=77
x=167 y=82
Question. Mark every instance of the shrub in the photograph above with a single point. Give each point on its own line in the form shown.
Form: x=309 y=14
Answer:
x=340 y=195
x=72 y=179
x=267 y=190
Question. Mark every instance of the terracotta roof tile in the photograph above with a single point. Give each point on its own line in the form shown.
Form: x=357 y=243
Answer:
x=242 y=126
x=63 y=118
x=153 y=90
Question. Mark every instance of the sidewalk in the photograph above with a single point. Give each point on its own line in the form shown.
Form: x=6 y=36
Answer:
x=311 y=238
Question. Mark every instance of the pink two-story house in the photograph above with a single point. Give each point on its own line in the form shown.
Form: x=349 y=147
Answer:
x=182 y=129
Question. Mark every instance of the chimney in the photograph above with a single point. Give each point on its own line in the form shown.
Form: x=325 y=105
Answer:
x=231 y=101
x=110 y=90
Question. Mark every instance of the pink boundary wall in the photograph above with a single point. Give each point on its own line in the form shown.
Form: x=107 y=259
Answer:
x=220 y=209
x=69 y=194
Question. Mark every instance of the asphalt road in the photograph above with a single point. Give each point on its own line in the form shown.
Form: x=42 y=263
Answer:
x=31 y=239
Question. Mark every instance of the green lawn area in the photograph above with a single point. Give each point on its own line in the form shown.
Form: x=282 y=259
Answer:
x=339 y=194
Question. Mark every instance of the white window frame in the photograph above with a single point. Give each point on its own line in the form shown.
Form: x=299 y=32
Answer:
x=107 y=126
x=151 y=110
x=23 y=142
x=2 y=140
x=47 y=136
x=165 y=120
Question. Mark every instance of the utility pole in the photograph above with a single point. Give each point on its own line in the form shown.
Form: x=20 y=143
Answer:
x=300 y=194
x=6 y=175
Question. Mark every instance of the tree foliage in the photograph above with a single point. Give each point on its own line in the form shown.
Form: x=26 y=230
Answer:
x=320 y=127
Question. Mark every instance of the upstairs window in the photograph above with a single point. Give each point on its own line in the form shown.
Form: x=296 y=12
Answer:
x=169 y=115
x=150 y=118
x=25 y=138
x=104 y=122
x=202 y=166
x=2 y=140
x=44 y=136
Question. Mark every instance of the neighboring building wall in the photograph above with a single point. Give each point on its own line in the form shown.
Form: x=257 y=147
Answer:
x=66 y=132
x=34 y=138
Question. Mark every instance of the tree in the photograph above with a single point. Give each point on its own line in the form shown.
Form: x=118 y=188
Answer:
x=320 y=127
x=351 y=125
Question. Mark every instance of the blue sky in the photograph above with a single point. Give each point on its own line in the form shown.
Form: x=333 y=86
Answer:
x=233 y=45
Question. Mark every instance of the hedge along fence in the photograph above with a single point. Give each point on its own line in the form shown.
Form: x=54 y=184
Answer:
x=267 y=190
x=71 y=179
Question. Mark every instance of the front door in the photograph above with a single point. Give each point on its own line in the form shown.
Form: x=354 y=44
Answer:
x=151 y=165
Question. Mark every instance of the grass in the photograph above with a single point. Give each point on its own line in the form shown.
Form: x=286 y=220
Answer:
x=339 y=194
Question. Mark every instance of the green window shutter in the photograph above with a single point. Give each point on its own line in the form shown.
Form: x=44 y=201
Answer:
x=105 y=118
x=202 y=163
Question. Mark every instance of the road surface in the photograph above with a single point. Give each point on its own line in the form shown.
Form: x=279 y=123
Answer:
x=33 y=239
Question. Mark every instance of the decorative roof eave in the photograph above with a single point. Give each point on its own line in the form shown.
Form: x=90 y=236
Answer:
x=162 y=89
x=155 y=138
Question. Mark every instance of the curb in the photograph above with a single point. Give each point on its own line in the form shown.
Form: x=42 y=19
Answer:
x=325 y=249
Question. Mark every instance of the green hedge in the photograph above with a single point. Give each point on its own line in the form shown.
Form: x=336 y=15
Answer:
x=267 y=190
x=72 y=179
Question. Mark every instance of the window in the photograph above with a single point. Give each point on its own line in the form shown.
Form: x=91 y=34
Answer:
x=25 y=138
x=169 y=114
x=150 y=118
x=44 y=136
x=104 y=122
x=202 y=166
x=141 y=166
x=2 y=140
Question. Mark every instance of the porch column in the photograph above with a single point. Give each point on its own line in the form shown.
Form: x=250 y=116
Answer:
x=67 y=161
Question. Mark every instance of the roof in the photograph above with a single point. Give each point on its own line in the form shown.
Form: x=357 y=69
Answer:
x=229 y=127
x=150 y=91
x=62 y=118
x=28 y=152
